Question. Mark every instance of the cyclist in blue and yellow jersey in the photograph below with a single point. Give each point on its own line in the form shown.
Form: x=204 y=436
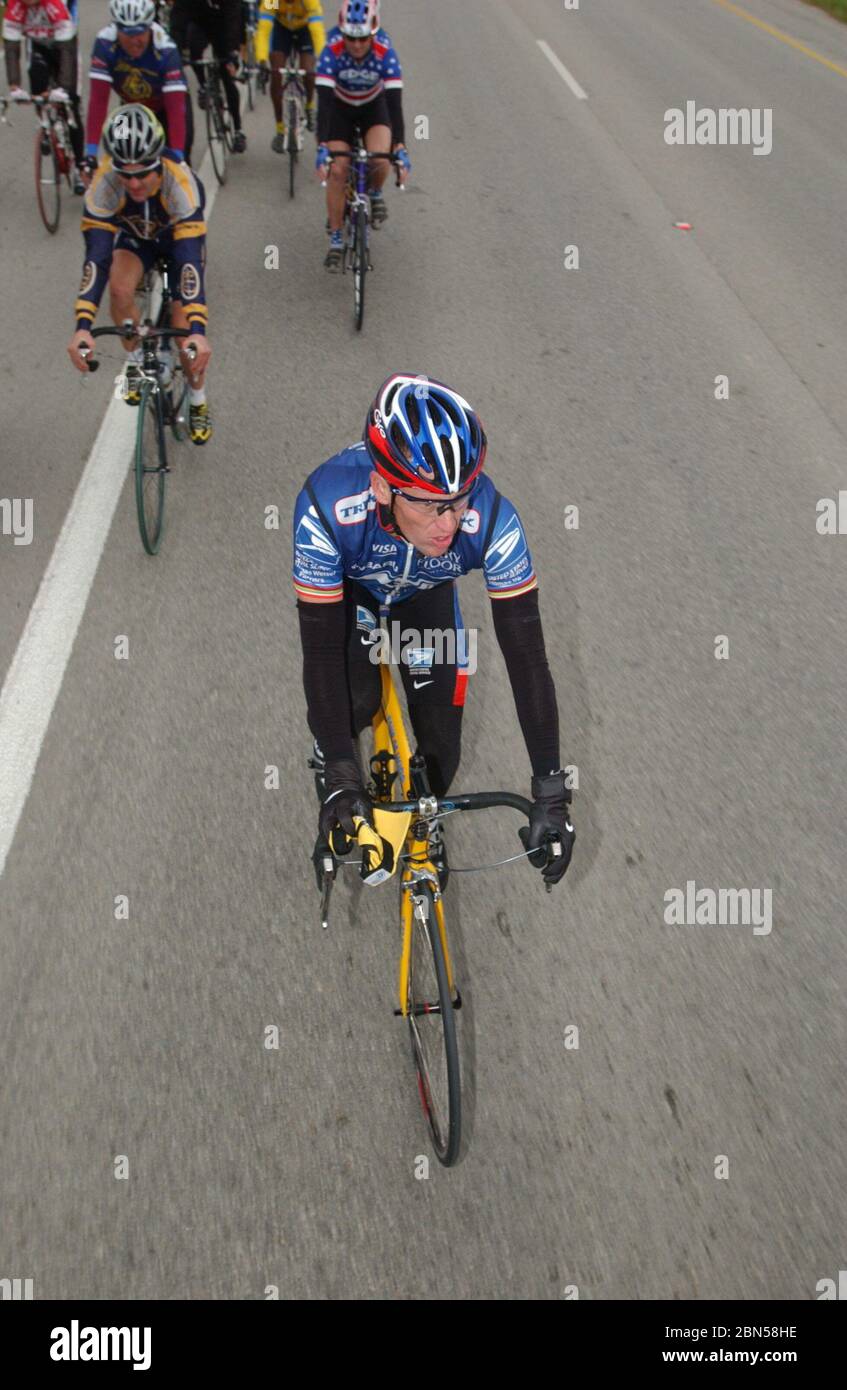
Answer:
x=360 y=83
x=286 y=26
x=196 y=23
x=134 y=56
x=391 y=523
x=144 y=203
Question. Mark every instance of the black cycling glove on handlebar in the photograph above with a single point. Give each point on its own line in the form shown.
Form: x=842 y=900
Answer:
x=345 y=798
x=549 y=820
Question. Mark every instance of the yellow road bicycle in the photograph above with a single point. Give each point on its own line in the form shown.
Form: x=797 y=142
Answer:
x=406 y=816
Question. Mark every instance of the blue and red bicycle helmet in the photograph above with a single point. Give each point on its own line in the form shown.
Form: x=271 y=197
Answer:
x=420 y=433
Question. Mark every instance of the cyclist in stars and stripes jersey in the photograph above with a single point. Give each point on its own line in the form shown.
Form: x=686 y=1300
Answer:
x=360 y=83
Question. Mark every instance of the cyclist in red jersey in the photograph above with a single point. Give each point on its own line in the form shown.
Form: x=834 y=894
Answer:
x=51 y=31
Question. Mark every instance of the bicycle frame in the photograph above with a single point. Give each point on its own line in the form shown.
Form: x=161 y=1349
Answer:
x=391 y=739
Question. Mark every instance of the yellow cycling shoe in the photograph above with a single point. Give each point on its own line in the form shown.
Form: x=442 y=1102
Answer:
x=199 y=424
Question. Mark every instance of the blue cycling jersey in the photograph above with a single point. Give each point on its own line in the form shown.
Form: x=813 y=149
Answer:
x=342 y=537
x=357 y=81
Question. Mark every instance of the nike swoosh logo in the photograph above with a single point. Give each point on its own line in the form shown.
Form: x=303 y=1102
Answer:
x=418 y=684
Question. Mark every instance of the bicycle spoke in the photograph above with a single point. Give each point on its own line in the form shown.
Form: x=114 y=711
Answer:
x=150 y=465
x=432 y=1028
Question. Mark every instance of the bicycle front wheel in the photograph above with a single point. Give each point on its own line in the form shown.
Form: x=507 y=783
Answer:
x=151 y=462
x=360 y=266
x=292 y=133
x=216 y=135
x=432 y=1028
x=47 y=180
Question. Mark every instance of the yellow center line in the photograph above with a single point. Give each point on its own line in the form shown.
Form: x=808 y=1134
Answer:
x=778 y=34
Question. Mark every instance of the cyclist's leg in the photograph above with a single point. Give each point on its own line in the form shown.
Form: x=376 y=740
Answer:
x=230 y=85
x=77 y=133
x=281 y=41
x=200 y=428
x=434 y=671
x=196 y=40
x=336 y=187
x=41 y=65
x=306 y=50
x=130 y=260
x=377 y=135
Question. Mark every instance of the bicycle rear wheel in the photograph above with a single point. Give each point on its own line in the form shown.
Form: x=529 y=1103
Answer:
x=216 y=134
x=47 y=180
x=432 y=1029
x=360 y=266
x=151 y=461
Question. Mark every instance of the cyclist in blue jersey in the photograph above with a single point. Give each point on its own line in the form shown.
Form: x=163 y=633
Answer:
x=136 y=58
x=360 y=84
x=143 y=205
x=390 y=524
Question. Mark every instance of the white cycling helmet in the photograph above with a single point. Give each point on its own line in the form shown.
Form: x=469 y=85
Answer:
x=358 y=19
x=132 y=135
x=133 y=16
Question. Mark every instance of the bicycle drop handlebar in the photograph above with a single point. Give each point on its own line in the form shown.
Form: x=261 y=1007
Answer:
x=128 y=331
x=468 y=801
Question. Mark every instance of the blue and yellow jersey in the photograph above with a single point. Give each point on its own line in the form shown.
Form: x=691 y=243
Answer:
x=171 y=221
x=291 y=14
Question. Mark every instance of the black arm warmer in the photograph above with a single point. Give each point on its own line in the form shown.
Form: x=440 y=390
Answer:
x=323 y=635
x=326 y=100
x=517 y=623
x=12 y=50
x=394 y=97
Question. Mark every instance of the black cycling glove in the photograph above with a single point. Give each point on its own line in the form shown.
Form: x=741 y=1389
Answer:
x=549 y=820
x=345 y=798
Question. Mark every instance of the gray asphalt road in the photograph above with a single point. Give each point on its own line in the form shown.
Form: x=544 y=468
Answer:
x=592 y=1167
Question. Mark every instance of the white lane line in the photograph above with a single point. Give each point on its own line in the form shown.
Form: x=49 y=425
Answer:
x=35 y=676
x=562 y=70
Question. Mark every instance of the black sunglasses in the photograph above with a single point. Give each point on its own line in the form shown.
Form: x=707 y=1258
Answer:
x=425 y=504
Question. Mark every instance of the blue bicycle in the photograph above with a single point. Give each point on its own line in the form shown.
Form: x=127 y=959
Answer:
x=356 y=228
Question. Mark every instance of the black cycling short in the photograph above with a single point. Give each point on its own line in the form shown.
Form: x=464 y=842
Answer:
x=431 y=657
x=284 y=40
x=344 y=118
x=433 y=664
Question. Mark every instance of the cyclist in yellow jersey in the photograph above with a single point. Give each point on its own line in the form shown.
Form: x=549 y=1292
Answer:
x=285 y=25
